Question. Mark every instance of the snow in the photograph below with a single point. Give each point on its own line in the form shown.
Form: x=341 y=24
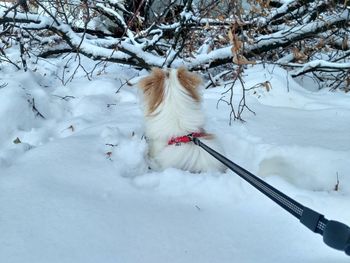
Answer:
x=282 y=9
x=78 y=188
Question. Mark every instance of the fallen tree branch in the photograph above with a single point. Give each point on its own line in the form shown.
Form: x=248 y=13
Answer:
x=283 y=38
x=155 y=45
x=319 y=65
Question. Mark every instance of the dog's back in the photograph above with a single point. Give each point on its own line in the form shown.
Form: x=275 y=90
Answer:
x=173 y=109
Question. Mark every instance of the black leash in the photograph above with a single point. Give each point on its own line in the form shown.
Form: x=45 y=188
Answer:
x=335 y=234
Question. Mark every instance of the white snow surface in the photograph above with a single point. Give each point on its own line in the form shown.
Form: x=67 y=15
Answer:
x=78 y=188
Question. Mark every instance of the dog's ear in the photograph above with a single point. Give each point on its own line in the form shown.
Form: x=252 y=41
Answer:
x=190 y=81
x=153 y=88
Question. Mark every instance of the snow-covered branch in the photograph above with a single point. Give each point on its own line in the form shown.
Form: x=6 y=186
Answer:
x=263 y=44
x=294 y=33
x=320 y=65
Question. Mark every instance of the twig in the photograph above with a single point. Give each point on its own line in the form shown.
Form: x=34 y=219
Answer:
x=37 y=112
x=3 y=85
x=336 y=187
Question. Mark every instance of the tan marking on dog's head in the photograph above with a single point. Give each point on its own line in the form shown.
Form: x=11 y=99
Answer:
x=190 y=81
x=153 y=88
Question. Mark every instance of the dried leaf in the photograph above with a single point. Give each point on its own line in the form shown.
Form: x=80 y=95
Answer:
x=345 y=43
x=17 y=141
x=230 y=36
x=299 y=55
x=235 y=58
x=233 y=53
x=241 y=60
x=267 y=85
x=237 y=43
x=221 y=18
x=320 y=44
x=245 y=61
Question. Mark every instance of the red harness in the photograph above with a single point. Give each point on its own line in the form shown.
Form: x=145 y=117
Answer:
x=185 y=138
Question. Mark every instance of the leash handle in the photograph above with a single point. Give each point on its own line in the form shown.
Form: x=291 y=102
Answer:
x=335 y=234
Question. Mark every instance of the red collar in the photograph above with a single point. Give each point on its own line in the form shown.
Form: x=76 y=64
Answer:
x=185 y=138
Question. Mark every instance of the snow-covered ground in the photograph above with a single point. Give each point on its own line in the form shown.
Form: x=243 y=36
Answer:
x=75 y=186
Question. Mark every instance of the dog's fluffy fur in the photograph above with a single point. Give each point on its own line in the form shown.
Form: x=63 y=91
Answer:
x=173 y=108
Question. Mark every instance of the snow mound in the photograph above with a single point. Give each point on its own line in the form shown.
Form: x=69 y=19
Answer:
x=75 y=184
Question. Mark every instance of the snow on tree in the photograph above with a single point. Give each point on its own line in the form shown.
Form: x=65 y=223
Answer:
x=308 y=37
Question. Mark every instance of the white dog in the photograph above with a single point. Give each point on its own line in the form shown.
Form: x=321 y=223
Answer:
x=172 y=111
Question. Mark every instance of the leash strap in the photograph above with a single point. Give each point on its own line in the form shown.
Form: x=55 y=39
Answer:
x=335 y=234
